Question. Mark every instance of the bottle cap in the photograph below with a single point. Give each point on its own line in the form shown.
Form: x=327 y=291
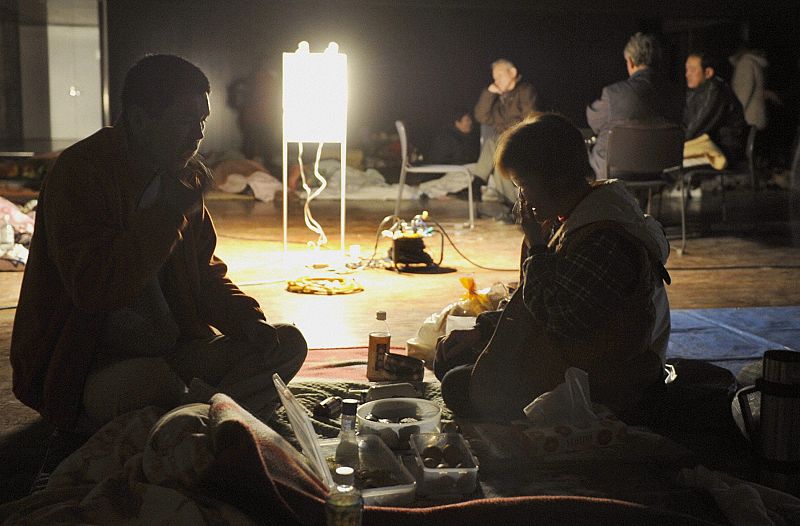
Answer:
x=380 y=315
x=349 y=406
x=344 y=476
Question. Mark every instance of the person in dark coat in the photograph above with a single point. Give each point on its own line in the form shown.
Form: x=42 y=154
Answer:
x=124 y=303
x=712 y=108
x=646 y=95
x=457 y=143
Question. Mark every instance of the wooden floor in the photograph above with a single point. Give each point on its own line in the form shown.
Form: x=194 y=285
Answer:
x=751 y=260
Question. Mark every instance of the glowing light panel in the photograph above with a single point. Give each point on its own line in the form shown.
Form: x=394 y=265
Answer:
x=315 y=95
x=315 y=110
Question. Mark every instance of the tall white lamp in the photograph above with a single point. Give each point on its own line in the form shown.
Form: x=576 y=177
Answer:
x=314 y=110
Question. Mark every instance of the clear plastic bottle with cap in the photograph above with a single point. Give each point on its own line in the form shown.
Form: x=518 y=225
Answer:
x=344 y=504
x=379 y=340
x=347 y=448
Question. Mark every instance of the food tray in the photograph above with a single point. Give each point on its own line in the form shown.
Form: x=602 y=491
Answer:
x=434 y=481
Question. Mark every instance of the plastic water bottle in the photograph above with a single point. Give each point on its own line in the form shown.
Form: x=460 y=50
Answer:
x=347 y=448
x=344 y=504
x=6 y=235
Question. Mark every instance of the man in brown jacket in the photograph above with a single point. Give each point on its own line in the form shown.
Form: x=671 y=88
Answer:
x=502 y=104
x=123 y=302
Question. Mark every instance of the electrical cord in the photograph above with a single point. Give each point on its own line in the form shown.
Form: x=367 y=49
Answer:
x=383 y=222
x=445 y=234
x=310 y=222
x=442 y=232
x=264 y=239
x=257 y=283
x=324 y=285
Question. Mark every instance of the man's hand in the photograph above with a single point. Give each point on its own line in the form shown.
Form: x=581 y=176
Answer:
x=261 y=334
x=179 y=190
x=493 y=88
x=456 y=344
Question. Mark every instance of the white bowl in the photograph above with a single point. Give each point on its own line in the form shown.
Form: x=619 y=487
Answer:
x=428 y=416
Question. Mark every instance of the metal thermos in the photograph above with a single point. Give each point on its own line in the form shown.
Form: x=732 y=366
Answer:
x=774 y=425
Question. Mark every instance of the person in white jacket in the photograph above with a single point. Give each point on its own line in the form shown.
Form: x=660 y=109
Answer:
x=748 y=83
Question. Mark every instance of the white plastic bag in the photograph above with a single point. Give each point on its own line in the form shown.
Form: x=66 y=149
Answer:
x=569 y=403
x=464 y=311
x=458 y=323
x=564 y=420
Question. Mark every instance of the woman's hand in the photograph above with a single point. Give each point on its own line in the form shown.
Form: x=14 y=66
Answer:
x=530 y=226
x=456 y=344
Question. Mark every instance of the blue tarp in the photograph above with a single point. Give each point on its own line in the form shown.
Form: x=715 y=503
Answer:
x=732 y=338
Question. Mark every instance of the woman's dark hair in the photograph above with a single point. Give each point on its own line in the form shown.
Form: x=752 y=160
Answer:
x=547 y=147
x=155 y=81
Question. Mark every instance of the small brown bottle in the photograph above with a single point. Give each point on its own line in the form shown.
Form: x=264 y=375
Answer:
x=379 y=340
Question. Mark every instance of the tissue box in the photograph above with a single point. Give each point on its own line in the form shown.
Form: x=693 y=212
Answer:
x=606 y=430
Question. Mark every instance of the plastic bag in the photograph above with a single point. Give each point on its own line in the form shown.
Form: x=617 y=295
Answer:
x=564 y=420
x=472 y=302
x=567 y=404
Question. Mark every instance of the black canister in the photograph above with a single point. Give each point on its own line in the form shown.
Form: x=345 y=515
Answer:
x=773 y=423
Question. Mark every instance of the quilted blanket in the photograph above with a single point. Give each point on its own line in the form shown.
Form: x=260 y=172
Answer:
x=216 y=464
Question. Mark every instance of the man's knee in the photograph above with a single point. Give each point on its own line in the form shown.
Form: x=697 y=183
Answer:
x=289 y=335
x=455 y=390
x=291 y=341
x=130 y=384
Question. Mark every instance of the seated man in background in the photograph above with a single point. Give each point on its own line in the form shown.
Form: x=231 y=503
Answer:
x=123 y=300
x=712 y=108
x=457 y=143
x=646 y=95
x=504 y=103
x=591 y=292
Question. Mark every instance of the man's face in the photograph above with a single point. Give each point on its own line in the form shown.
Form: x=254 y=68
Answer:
x=173 y=138
x=504 y=77
x=536 y=197
x=464 y=124
x=695 y=74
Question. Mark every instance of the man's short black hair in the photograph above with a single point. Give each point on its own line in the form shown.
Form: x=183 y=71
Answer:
x=707 y=60
x=458 y=114
x=155 y=81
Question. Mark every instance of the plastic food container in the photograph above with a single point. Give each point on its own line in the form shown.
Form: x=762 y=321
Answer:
x=426 y=414
x=440 y=481
x=373 y=455
x=376 y=461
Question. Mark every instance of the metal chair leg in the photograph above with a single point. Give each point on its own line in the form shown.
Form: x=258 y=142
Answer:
x=682 y=248
x=470 y=201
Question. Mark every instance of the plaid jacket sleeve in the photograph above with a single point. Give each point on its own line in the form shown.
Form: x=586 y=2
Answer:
x=572 y=293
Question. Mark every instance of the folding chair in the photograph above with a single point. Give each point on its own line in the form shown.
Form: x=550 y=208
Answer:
x=643 y=155
x=406 y=167
x=745 y=167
